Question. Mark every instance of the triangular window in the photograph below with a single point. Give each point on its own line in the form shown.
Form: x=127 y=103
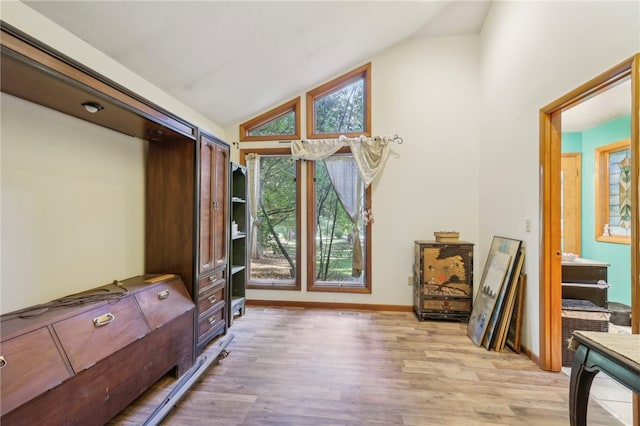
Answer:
x=282 y=122
x=341 y=106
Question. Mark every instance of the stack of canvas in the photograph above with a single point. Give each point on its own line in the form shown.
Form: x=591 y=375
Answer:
x=492 y=323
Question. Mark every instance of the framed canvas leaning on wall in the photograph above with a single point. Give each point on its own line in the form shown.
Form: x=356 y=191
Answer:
x=498 y=270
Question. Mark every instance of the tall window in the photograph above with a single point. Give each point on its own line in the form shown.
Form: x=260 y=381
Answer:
x=282 y=122
x=274 y=224
x=338 y=236
x=613 y=192
x=341 y=106
x=338 y=247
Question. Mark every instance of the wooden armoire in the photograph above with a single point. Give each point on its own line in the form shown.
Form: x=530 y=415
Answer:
x=214 y=216
x=187 y=197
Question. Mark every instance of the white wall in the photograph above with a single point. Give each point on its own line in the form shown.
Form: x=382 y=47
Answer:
x=426 y=91
x=533 y=53
x=73 y=198
x=72 y=209
x=29 y=21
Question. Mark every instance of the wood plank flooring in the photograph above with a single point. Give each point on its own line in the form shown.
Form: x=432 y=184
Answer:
x=328 y=367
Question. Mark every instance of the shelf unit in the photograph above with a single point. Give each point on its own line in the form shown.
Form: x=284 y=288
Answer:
x=238 y=256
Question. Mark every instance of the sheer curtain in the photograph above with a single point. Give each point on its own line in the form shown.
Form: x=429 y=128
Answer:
x=253 y=178
x=348 y=186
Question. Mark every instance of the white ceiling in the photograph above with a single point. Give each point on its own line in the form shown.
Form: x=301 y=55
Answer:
x=613 y=103
x=229 y=60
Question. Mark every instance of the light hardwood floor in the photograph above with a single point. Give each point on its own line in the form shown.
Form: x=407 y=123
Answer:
x=328 y=367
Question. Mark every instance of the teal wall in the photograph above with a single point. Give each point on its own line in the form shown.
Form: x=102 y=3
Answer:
x=572 y=142
x=618 y=255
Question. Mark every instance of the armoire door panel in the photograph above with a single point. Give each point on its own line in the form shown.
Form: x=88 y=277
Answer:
x=220 y=183
x=207 y=155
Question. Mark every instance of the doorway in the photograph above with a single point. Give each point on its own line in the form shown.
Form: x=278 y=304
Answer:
x=551 y=209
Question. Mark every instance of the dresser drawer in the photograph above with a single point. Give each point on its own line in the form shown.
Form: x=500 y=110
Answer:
x=444 y=305
x=217 y=278
x=211 y=296
x=94 y=335
x=211 y=320
x=32 y=365
x=162 y=302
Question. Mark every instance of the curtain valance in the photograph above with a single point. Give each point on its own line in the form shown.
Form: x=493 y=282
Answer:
x=369 y=153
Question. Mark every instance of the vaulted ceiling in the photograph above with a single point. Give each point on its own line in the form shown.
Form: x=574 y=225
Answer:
x=229 y=60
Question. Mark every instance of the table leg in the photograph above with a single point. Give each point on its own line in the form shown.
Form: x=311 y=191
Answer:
x=579 y=387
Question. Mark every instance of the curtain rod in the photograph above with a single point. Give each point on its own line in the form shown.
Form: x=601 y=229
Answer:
x=394 y=138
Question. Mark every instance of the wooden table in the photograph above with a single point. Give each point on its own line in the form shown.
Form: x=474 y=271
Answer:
x=617 y=355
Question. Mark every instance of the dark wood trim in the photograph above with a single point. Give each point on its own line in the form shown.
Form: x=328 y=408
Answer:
x=273 y=114
x=333 y=85
x=47 y=58
x=330 y=305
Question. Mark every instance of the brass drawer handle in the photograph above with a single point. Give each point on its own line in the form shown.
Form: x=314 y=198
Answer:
x=212 y=320
x=213 y=299
x=3 y=361
x=163 y=294
x=103 y=319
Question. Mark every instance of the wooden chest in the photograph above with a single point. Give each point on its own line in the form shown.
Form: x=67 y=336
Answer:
x=83 y=363
x=443 y=280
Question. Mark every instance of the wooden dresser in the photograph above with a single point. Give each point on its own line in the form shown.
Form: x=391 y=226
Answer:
x=443 y=280
x=585 y=279
x=83 y=363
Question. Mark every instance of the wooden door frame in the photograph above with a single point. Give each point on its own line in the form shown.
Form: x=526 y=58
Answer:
x=550 y=357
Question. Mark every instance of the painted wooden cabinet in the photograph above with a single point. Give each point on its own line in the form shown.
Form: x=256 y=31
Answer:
x=443 y=280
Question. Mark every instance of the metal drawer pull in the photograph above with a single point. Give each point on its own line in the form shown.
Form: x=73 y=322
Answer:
x=163 y=294
x=103 y=319
x=212 y=320
x=213 y=299
x=212 y=278
x=3 y=361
